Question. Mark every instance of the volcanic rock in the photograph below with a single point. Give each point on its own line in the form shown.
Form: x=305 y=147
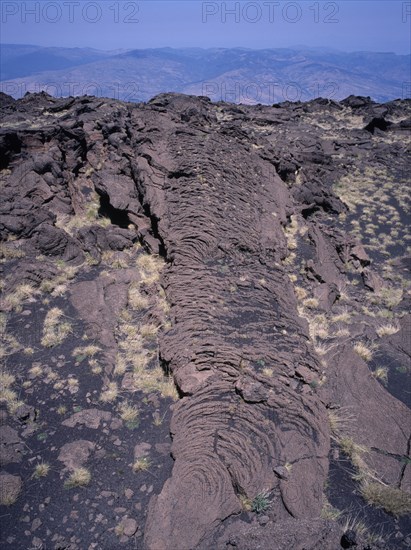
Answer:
x=258 y=317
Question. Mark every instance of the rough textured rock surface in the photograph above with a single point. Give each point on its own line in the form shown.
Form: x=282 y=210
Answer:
x=289 y=533
x=267 y=291
x=10 y=488
x=252 y=424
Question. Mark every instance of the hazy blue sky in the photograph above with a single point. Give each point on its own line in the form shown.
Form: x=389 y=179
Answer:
x=348 y=25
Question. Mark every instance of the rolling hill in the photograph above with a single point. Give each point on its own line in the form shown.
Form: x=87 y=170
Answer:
x=236 y=75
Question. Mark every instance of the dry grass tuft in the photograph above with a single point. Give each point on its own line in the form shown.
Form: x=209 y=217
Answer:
x=116 y=260
x=95 y=366
x=9 y=251
x=387 y=330
x=8 y=496
x=381 y=373
x=6 y=379
x=72 y=382
x=59 y=284
x=137 y=350
x=387 y=297
x=168 y=388
x=311 y=303
x=246 y=503
x=392 y=500
x=89 y=216
x=350 y=448
x=141 y=464
x=318 y=327
x=149 y=331
x=110 y=394
x=341 y=421
x=21 y=294
x=80 y=477
x=300 y=292
x=8 y=396
x=342 y=333
x=355 y=452
x=36 y=370
x=343 y=317
x=354 y=524
x=136 y=300
x=8 y=343
x=86 y=351
x=363 y=351
x=150 y=263
x=128 y=412
x=150 y=268
x=121 y=365
x=322 y=349
x=55 y=331
x=329 y=512
x=41 y=470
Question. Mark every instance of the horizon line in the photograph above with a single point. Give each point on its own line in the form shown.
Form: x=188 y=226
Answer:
x=295 y=47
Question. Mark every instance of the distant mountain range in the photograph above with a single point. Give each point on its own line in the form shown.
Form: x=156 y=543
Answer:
x=236 y=75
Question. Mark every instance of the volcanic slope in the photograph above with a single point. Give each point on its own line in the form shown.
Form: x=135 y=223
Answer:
x=255 y=257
